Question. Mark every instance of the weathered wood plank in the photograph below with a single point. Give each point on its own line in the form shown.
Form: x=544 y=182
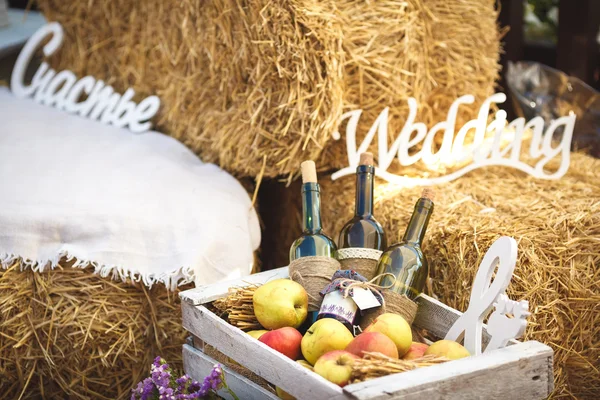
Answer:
x=207 y=293
x=198 y=365
x=256 y=356
x=437 y=318
x=521 y=371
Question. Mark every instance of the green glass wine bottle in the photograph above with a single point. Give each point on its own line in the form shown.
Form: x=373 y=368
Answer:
x=405 y=260
x=313 y=241
x=363 y=230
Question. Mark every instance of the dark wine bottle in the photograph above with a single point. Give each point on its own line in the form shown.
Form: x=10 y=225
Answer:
x=405 y=260
x=313 y=241
x=363 y=230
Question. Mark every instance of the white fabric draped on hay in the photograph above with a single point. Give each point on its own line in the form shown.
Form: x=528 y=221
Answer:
x=138 y=206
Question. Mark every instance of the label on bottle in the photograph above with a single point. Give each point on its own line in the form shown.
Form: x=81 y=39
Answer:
x=364 y=298
x=334 y=303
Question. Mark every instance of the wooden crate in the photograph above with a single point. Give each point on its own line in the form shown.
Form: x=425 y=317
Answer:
x=519 y=371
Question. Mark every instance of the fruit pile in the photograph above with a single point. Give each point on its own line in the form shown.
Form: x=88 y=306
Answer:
x=329 y=349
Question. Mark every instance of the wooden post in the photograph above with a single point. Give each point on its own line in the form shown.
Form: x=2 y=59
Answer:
x=578 y=49
x=511 y=15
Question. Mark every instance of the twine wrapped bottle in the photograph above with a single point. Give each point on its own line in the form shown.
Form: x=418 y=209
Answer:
x=403 y=266
x=362 y=240
x=312 y=255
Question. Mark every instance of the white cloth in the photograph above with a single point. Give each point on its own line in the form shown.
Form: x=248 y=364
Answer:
x=133 y=205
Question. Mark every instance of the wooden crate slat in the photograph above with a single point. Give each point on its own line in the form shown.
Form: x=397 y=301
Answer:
x=438 y=318
x=521 y=371
x=207 y=293
x=256 y=356
x=198 y=365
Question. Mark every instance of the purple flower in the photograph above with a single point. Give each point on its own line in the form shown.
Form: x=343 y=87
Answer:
x=161 y=384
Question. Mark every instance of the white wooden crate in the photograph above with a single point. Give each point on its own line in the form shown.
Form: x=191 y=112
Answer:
x=518 y=371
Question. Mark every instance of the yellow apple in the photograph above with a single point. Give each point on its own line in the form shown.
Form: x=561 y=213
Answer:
x=447 y=348
x=396 y=328
x=336 y=366
x=280 y=303
x=257 y=334
x=283 y=394
x=323 y=336
x=305 y=364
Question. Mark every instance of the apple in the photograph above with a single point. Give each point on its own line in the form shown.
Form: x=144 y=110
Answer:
x=336 y=366
x=449 y=349
x=257 y=334
x=305 y=364
x=396 y=328
x=372 y=341
x=285 y=340
x=416 y=350
x=323 y=336
x=285 y=395
x=280 y=303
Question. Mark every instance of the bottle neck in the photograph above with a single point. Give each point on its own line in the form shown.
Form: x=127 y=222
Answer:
x=364 y=190
x=311 y=207
x=418 y=222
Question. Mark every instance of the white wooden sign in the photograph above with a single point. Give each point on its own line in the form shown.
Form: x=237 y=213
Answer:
x=487 y=294
x=496 y=143
x=86 y=97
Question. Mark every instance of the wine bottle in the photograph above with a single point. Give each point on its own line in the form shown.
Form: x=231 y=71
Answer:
x=405 y=260
x=313 y=241
x=363 y=230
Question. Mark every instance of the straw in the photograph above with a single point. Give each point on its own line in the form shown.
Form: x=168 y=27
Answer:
x=557 y=226
x=69 y=333
x=375 y=365
x=241 y=82
x=238 y=307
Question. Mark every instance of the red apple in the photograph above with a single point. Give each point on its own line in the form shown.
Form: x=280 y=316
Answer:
x=375 y=342
x=284 y=340
x=416 y=350
x=336 y=366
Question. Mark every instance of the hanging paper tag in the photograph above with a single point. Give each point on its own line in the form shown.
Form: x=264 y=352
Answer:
x=364 y=298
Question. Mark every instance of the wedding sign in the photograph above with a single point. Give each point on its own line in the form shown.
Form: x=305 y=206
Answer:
x=496 y=143
x=508 y=320
x=86 y=97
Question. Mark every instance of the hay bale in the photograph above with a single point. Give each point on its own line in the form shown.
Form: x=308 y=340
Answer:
x=69 y=333
x=244 y=84
x=557 y=227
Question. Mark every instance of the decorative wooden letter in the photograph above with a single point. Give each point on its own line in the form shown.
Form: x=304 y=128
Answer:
x=487 y=294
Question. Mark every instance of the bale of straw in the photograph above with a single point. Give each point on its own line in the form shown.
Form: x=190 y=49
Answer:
x=557 y=226
x=69 y=333
x=266 y=82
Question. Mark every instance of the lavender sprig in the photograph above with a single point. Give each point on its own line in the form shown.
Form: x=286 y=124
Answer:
x=162 y=385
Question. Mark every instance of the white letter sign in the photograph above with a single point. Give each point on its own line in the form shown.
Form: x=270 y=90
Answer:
x=487 y=294
x=481 y=152
x=63 y=91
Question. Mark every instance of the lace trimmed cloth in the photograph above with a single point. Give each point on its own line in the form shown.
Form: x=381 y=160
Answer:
x=139 y=206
